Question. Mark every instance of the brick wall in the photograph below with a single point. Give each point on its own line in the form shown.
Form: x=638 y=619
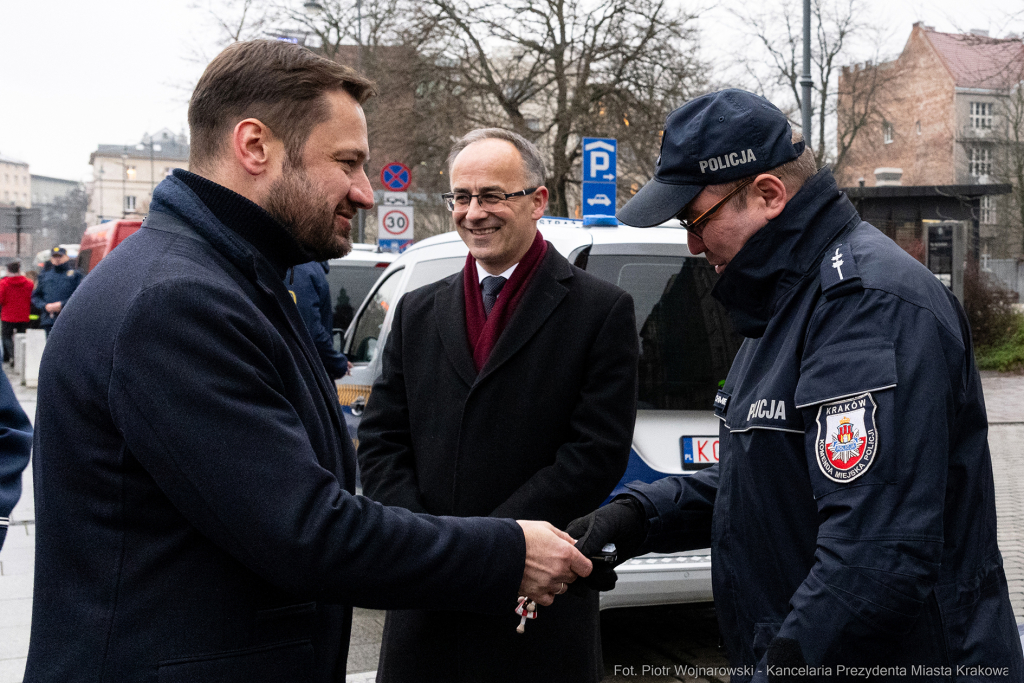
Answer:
x=916 y=96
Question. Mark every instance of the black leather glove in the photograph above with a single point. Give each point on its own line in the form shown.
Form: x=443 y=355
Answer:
x=784 y=654
x=622 y=522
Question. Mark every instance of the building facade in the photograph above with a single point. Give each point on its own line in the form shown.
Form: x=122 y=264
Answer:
x=943 y=115
x=123 y=176
x=15 y=183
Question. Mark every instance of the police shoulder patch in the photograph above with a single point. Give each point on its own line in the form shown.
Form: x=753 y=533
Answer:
x=839 y=274
x=847 y=441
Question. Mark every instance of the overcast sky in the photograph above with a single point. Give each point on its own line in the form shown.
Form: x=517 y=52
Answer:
x=77 y=73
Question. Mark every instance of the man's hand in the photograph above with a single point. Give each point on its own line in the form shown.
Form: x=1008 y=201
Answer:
x=552 y=563
x=54 y=307
x=621 y=522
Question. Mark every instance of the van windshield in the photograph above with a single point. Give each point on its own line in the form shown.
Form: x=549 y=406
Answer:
x=687 y=343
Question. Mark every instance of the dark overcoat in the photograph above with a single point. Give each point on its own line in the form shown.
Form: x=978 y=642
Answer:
x=542 y=432
x=193 y=478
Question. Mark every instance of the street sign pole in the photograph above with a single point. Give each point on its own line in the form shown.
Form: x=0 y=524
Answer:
x=17 y=231
x=395 y=213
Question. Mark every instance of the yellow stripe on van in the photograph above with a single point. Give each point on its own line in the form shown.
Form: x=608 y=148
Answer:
x=347 y=393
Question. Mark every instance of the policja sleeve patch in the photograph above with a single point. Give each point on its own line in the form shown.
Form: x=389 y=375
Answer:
x=839 y=274
x=847 y=439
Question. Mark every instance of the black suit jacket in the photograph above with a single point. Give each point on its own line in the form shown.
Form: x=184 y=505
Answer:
x=542 y=432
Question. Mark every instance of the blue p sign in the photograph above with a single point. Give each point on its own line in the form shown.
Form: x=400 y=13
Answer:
x=599 y=160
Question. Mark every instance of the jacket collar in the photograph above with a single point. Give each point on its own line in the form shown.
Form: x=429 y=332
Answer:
x=235 y=226
x=543 y=294
x=783 y=253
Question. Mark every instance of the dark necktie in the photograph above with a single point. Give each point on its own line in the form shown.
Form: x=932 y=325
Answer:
x=491 y=286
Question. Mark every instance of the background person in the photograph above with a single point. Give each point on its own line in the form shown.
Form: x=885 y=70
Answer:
x=15 y=307
x=853 y=428
x=55 y=287
x=194 y=510
x=518 y=403
x=307 y=283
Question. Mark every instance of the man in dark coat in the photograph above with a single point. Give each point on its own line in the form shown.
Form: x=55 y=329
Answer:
x=852 y=516
x=194 y=476
x=519 y=402
x=56 y=285
x=307 y=283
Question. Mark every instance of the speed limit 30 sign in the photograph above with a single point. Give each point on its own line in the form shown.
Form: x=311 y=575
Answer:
x=394 y=227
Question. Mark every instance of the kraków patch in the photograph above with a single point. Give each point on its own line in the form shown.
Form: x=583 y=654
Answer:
x=847 y=441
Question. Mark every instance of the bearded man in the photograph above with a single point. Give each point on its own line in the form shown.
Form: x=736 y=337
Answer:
x=194 y=476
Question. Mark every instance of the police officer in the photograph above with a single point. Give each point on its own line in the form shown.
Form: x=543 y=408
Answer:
x=851 y=519
x=55 y=287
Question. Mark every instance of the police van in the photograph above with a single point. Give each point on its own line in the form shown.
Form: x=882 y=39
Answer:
x=686 y=348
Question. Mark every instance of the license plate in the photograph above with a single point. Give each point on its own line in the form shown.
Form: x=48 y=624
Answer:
x=698 y=452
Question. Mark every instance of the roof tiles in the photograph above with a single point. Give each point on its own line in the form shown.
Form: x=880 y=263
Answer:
x=978 y=61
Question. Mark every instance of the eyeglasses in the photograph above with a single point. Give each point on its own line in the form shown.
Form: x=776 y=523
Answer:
x=487 y=200
x=694 y=226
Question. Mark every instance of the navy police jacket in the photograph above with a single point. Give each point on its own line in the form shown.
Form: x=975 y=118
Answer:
x=55 y=284
x=308 y=285
x=853 y=508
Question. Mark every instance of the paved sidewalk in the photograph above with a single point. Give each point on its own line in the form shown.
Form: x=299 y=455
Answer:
x=1004 y=397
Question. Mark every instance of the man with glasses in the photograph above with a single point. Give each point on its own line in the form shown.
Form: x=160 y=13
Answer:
x=851 y=519
x=507 y=389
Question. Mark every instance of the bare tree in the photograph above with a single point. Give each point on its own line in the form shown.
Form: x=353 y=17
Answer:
x=840 y=35
x=553 y=70
x=557 y=70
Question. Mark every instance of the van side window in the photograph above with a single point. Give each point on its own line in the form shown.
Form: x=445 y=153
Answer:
x=363 y=347
x=350 y=283
x=687 y=343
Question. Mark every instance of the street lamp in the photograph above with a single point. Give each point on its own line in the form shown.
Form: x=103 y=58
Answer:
x=124 y=184
x=312 y=7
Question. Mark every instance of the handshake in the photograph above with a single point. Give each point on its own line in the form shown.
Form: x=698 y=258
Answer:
x=555 y=559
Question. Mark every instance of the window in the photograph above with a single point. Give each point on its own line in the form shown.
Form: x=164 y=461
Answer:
x=918 y=127
x=686 y=338
x=981 y=115
x=887 y=132
x=363 y=347
x=129 y=173
x=987 y=210
x=129 y=203
x=979 y=162
x=350 y=281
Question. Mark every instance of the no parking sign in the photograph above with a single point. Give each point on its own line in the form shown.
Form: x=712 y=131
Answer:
x=394 y=227
x=396 y=176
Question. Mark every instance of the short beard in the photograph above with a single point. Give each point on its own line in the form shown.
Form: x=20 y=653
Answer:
x=306 y=212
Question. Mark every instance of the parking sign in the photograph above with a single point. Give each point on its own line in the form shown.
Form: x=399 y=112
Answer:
x=599 y=160
x=599 y=176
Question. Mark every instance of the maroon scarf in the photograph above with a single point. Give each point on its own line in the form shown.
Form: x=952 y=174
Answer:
x=482 y=330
